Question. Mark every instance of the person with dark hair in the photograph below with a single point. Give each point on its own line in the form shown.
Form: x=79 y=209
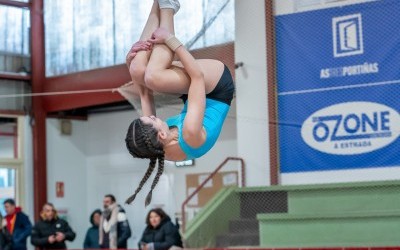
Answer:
x=17 y=225
x=5 y=237
x=92 y=234
x=114 y=230
x=206 y=86
x=51 y=232
x=110 y=197
x=160 y=233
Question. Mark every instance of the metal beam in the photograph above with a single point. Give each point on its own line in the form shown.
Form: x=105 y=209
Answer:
x=39 y=114
x=271 y=92
x=8 y=112
x=15 y=76
x=7 y=134
x=111 y=77
x=16 y=4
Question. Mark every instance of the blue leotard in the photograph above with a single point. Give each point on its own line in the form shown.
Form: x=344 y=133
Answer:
x=214 y=116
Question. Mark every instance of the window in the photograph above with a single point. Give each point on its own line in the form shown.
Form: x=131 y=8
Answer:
x=8 y=138
x=87 y=34
x=11 y=159
x=7 y=185
x=14 y=31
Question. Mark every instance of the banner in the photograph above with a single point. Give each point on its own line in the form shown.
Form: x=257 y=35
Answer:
x=338 y=75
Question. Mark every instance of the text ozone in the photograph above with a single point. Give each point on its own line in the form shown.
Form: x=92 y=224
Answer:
x=352 y=124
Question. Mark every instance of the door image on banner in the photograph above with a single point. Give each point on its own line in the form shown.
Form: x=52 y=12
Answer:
x=339 y=87
x=347 y=35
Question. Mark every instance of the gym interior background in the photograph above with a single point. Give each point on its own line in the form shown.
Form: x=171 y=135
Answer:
x=312 y=132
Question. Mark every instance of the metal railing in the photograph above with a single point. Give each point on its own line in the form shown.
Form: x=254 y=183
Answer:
x=197 y=190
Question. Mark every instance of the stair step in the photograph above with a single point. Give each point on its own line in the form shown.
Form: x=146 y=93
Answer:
x=234 y=239
x=244 y=226
x=253 y=203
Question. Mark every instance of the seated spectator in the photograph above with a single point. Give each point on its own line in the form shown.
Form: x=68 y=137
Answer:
x=160 y=233
x=17 y=224
x=5 y=236
x=51 y=232
x=92 y=234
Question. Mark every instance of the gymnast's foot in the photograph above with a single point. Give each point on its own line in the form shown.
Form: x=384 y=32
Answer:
x=170 y=4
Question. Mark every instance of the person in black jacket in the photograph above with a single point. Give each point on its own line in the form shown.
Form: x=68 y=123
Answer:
x=51 y=232
x=160 y=233
x=114 y=230
x=92 y=234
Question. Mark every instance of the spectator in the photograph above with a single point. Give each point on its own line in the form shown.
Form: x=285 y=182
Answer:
x=17 y=224
x=5 y=237
x=51 y=232
x=92 y=234
x=114 y=226
x=160 y=233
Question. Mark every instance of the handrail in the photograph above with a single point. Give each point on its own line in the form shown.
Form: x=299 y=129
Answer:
x=186 y=201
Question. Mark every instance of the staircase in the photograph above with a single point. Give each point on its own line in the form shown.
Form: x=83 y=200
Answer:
x=330 y=215
x=241 y=227
x=364 y=214
x=244 y=231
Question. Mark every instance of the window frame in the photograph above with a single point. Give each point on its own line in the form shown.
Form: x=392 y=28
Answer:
x=18 y=163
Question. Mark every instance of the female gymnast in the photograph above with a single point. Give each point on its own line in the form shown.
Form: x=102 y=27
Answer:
x=206 y=86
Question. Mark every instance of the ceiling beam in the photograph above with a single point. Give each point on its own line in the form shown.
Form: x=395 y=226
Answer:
x=15 y=76
x=111 y=77
x=104 y=78
x=11 y=113
x=16 y=4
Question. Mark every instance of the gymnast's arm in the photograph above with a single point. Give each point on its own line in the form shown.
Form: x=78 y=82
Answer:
x=146 y=94
x=147 y=101
x=193 y=131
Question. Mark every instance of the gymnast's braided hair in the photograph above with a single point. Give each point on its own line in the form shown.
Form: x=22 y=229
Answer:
x=142 y=142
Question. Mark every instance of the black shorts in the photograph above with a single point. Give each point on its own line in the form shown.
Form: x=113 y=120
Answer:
x=223 y=91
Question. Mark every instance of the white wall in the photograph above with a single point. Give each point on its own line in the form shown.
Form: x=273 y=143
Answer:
x=28 y=172
x=251 y=90
x=66 y=162
x=28 y=168
x=340 y=176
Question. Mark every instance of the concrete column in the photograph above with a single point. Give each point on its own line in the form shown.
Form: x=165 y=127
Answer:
x=251 y=91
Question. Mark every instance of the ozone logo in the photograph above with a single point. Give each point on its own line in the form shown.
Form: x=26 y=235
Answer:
x=347 y=35
x=351 y=128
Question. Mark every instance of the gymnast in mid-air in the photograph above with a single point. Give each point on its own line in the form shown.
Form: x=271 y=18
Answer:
x=206 y=88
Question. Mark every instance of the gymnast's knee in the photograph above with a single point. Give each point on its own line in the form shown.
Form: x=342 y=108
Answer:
x=152 y=79
x=137 y=72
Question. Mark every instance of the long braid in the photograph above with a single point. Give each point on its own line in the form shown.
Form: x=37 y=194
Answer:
x=160 y=166
x=160 y=171
x=146 y=176
x=152 y=152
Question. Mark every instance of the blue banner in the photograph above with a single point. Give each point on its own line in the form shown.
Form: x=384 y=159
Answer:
x=338 y=74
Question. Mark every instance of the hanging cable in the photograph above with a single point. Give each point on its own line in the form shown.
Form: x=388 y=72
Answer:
x=58 y=93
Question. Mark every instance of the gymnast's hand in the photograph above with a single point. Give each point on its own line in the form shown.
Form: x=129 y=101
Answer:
x=138 y=46
x=160 y=36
